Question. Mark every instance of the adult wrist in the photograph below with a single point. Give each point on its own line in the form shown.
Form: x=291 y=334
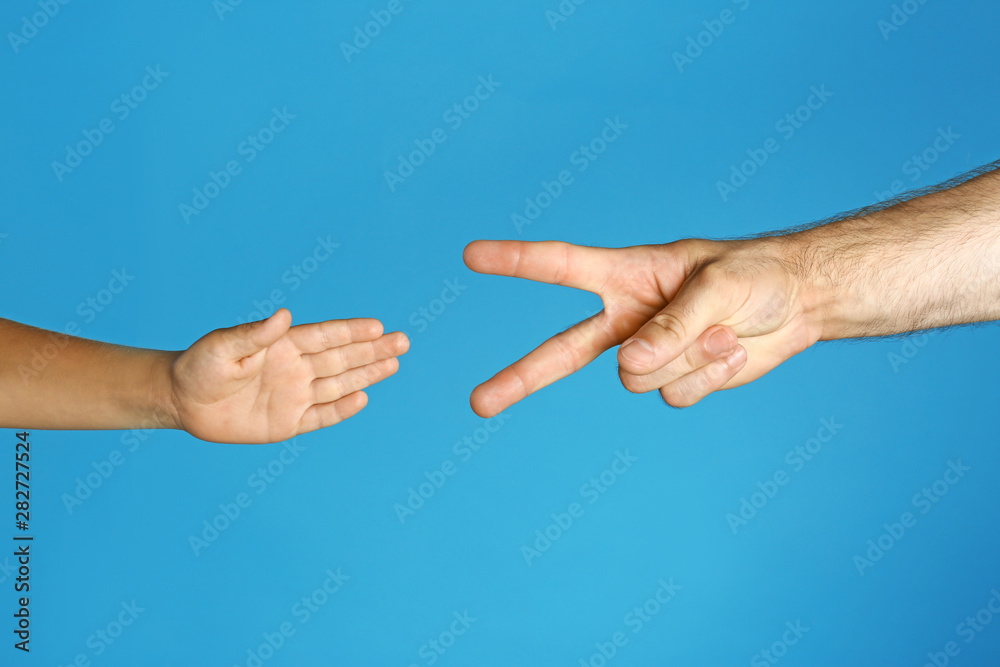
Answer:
x=821 y=291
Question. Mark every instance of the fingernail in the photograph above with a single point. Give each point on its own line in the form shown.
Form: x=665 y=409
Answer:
x=735 y=358
x=638 y=352
x=719 y=343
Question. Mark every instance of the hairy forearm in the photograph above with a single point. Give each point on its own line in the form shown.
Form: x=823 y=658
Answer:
x=930 y=261
x=53 y=381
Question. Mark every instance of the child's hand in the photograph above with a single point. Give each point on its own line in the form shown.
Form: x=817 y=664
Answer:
x=268 y=381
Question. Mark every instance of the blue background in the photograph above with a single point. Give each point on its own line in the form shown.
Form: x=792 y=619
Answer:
x=904 y=417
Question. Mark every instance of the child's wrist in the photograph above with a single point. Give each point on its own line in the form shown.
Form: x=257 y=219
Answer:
x=161 y=409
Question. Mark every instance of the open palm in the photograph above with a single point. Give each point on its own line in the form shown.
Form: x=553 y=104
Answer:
x=268 y=381
x=694 y=316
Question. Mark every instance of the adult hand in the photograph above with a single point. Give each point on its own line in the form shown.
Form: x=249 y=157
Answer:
x=692 y=317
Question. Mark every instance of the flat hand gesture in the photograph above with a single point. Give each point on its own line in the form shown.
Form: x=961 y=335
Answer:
x=694 y=316
x=268 y=381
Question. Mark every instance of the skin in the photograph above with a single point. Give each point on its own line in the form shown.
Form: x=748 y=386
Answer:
x=690 y=317
x=696 y=316
x=261 y=382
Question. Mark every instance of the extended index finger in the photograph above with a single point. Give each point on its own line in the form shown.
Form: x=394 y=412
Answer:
x=553 y=262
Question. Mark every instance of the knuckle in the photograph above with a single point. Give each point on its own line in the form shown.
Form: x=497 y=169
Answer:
x=695 y=356
x=631 y=382
x=714 y=375
x=369 y=353
x=334 y=416
x=316 y=390
x=713 y=274
x=566 y=355
x=562 y=270
x=672 y=396
x=672 y=324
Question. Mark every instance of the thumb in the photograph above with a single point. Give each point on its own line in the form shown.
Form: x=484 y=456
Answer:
x=248 y=339
x=673 y=330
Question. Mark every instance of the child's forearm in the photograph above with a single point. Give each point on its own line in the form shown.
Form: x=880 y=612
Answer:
x=53 y=381
x=261 y=382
